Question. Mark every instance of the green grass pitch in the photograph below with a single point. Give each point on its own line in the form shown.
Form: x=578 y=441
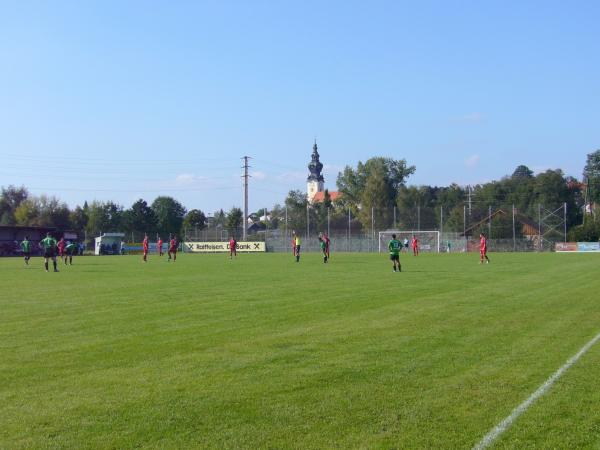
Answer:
x=262 y=352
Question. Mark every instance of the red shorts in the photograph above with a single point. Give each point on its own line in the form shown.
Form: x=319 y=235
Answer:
x=172 y=249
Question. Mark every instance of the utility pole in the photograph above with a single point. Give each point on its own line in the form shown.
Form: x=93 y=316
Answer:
x=245 y=176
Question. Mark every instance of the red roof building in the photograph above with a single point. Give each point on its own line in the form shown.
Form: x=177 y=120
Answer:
x=320 y=196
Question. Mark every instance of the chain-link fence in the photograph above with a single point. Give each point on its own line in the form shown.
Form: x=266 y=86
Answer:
x=351 y=230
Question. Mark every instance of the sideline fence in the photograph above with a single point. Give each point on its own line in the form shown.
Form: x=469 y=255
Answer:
x=507 y=228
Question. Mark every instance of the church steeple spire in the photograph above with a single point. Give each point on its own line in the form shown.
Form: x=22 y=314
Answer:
x=315 y=166
x=315 y=181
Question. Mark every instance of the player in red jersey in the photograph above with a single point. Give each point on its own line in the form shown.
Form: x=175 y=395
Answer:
x=232 y=248
x=145 y=248
x=415 y=246
x=159 y=245
x=327 y=244
x=61 y=249
x=483 y=249
x=173 y=248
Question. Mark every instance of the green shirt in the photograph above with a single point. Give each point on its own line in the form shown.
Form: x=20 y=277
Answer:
x=71 y=246
x=26 y=246
x=48 y=242
x=395 y=246
x=323 y=245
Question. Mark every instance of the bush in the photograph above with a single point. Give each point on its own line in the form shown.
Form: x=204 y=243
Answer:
x=588 y=232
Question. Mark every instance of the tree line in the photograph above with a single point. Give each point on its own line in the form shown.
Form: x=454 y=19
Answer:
x=375 y=196
x=374 y=193
x=164 y=216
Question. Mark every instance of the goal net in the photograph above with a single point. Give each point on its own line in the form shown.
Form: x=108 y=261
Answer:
x=429 y=241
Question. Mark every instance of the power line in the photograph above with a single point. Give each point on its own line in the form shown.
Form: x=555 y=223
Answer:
x=140 y=160
x=161 y=189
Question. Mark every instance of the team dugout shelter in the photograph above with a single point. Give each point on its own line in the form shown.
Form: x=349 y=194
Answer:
x=108 y=244
x=11 y=237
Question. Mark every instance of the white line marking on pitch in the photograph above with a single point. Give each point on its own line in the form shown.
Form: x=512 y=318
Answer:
x=489 y=438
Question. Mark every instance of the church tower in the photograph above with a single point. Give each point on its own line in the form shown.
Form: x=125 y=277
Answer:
x=315 y=181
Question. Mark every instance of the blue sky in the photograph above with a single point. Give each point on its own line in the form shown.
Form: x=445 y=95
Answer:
x=121 y=100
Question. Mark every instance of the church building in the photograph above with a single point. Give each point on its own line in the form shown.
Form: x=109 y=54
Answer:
x=315 y=183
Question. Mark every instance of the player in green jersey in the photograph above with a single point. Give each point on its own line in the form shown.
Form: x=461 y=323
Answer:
x=324 y=244
x=48 y=244
x=26 y=247
x=323 y=247
x=395 y=246
x=71 y=249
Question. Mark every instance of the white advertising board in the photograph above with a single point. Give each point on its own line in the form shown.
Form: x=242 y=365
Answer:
x=215 y=247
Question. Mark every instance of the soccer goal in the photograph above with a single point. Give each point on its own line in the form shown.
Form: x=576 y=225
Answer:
x=429 y=241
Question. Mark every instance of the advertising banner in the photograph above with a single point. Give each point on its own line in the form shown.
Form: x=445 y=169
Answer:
x=565 y=247
x=577 y=247
x=137 y=247
x=588 y=246
x=215 y=247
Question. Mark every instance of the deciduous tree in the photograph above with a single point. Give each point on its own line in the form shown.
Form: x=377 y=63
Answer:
x=169 y=215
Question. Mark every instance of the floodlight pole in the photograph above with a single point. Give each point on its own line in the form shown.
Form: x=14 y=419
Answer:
x=286 y=225
x=349 y=221
x=372 y=226
x=565 y=221
x=489 y=221
x=465 y=228
x=540 y=224
x=513 y=227
x=307 y=225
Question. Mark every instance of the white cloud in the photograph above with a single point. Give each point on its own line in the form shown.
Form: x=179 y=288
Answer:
x=293 y=176
x=473 y=117
x=539 y=169
x=187 y=179
x=472 y=161
x=332 y=169
x=258 y=175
